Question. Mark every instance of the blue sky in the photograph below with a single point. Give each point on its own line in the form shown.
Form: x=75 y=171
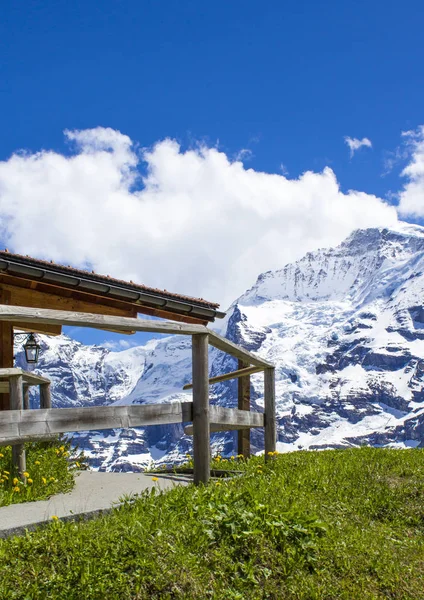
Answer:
x=274 y=83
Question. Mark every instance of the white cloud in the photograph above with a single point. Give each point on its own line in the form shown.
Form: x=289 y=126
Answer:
x=196 y=223
x=411 y=198
x=244 y=154
x=354 y=144
x=118 y=345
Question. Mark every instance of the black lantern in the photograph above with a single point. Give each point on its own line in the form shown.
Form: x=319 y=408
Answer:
x=31 y=349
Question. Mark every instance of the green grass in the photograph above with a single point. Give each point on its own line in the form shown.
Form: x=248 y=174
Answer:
x=50 y=469
x=320 y=525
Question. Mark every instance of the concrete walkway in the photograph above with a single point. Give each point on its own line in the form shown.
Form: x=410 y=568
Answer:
x=93 y=493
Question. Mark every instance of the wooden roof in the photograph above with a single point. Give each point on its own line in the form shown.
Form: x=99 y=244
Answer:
x=49 y=278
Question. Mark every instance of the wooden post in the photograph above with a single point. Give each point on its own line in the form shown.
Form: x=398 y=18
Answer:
x=26 y=397
x=201 y=433
x=6 y=345
x=243 y=435
x=6 y=357
x=17 y=403
x=270 y=420
x=45 y=396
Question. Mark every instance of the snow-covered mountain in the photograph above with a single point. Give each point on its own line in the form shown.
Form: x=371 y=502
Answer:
x=344 y=326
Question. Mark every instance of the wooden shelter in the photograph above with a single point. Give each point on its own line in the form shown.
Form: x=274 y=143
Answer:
x=33 y=283
x=41 y=297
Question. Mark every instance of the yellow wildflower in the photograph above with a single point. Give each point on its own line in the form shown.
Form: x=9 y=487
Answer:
x=15 y=481
x=1 y=455
x=218 y=483
x=29 y=480
x=62 y=448
x=44 y=480
x=5 y=476
x=37 y=462
x=26 y=474
x=16 y=489
x=55 y=518
x=232 y=458
x=240 y=456
x=7 y=472
x=77 y=464
x=270 y=453
x=155 y=479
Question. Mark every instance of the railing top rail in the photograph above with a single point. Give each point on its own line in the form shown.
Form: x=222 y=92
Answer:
x=78 y=319
x=27 y=377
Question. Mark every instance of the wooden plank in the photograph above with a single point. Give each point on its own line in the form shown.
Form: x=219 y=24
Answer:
x=80 y=319
x=120 y=331
x=243 y=402
x=45 y=396
x=225 y=419
x=34 y=298
x=26 y=397
x=17 y=404
x=201 y=443
x=37 y=328
x=231 y=375
x=99 y=300
x=25 y=425
x=28 y=377
x=270 y=418
x=168 y=314
x=6 y=346
x=227 y=346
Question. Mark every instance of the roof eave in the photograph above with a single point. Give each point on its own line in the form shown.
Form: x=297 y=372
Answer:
x=143 y=298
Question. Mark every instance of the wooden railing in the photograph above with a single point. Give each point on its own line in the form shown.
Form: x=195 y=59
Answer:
x=18 y=425
x=16 y=383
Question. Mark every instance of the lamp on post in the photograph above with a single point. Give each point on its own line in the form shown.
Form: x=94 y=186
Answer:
x=31 y=347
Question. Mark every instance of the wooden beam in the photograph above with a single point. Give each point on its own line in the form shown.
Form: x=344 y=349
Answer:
x=101 y=321
x=226 y=419
x=167 y=314
x=33 y=298
x=270 y=418
x=232 y=375
x=27 y=376
x=45 y=395
x=243 y=402
x=17 y=426
x=225 y=345
x=120 y=331
x=201 y=443
x=98 y=299
x=17 y=404
x=26 y=397
x=6 y=347
x=37 y=328
x=96 y=321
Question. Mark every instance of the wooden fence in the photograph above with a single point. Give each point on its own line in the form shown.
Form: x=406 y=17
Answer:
x=18 y=425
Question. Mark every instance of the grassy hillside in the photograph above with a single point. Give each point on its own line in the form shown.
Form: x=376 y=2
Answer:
x=336 y=525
